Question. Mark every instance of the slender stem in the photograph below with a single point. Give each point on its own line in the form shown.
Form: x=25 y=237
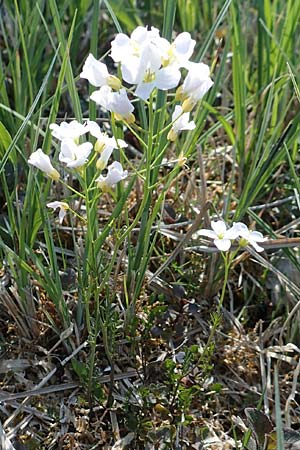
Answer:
x=227 y=263
x=71 y=189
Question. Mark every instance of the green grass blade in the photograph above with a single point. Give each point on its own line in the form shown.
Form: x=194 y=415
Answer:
x=210 y=36
x=27 y=118
x=64 y=49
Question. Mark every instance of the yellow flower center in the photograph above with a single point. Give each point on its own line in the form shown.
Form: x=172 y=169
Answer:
x=149 y=76
x=170 y=57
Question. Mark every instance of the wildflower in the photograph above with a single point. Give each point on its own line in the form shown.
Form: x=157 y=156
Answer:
x=42 y=161
x=72 y=130
x=104 y=144
x=150 y=61
x=124 y=47
x=115 y=174
x=74 y=155
x=116 y=102
x=97 y=74
x=249 y=237
x=180 y=51
x=63 y=209
x=221 y=235
x=147 y=73
x=180 y=122
x=195 y=85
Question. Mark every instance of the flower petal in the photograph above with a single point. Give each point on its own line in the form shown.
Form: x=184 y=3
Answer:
x=219 y=227
x=143 y=90
x=131 y=70
x=242 y=229
x=257 y=236
x=208 y=233
x=167 y=78
x=232 y=233
x=257 y=247
x=222 y=244
x=120 y=47
x=184 y=45
x=94 y=71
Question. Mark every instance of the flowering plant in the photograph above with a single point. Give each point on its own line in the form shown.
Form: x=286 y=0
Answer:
x=149 y=63
x=223 y=236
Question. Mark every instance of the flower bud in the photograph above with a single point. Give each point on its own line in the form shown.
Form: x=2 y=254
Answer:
x=181 y=159
x=100 y=164
x=54 y=175
x=128 y=119
x=172 y=135
x=188 y=105
x=179 y=96
x=243 y=242
x=114 y=82
x=99 y=146
x=42 y=161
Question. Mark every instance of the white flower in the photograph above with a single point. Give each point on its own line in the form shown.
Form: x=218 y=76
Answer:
x=180 y=122
x=249 y=237
x=74 y=155
x=68 y=130
x=124 y=47
x=148 y=60
x=104 y=145
x=42 y=161
x=63 y=209
x=116 y=102
x=107 y=141
x=180 y=51
x=97 y=74
x=146 y=71
x=115 y=173
x=221 y=236
x=195 y=85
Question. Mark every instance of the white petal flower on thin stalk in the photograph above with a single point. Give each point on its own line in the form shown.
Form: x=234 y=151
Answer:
x=42 y=161
x=249 y=237
x=221 y=235
x=97 y=74
x=115 y=173
x=180 y=51
x=74 y=155
x=103 y=138
x=195 y=85
x=68 y=130
x=104 y=144
x=115 y=102
x=63 y=207
x=147 y=72
x=181 y=122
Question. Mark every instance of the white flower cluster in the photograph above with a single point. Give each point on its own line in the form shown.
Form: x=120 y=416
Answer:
x=223 y=237
x=149 y=61
x=75 y=155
